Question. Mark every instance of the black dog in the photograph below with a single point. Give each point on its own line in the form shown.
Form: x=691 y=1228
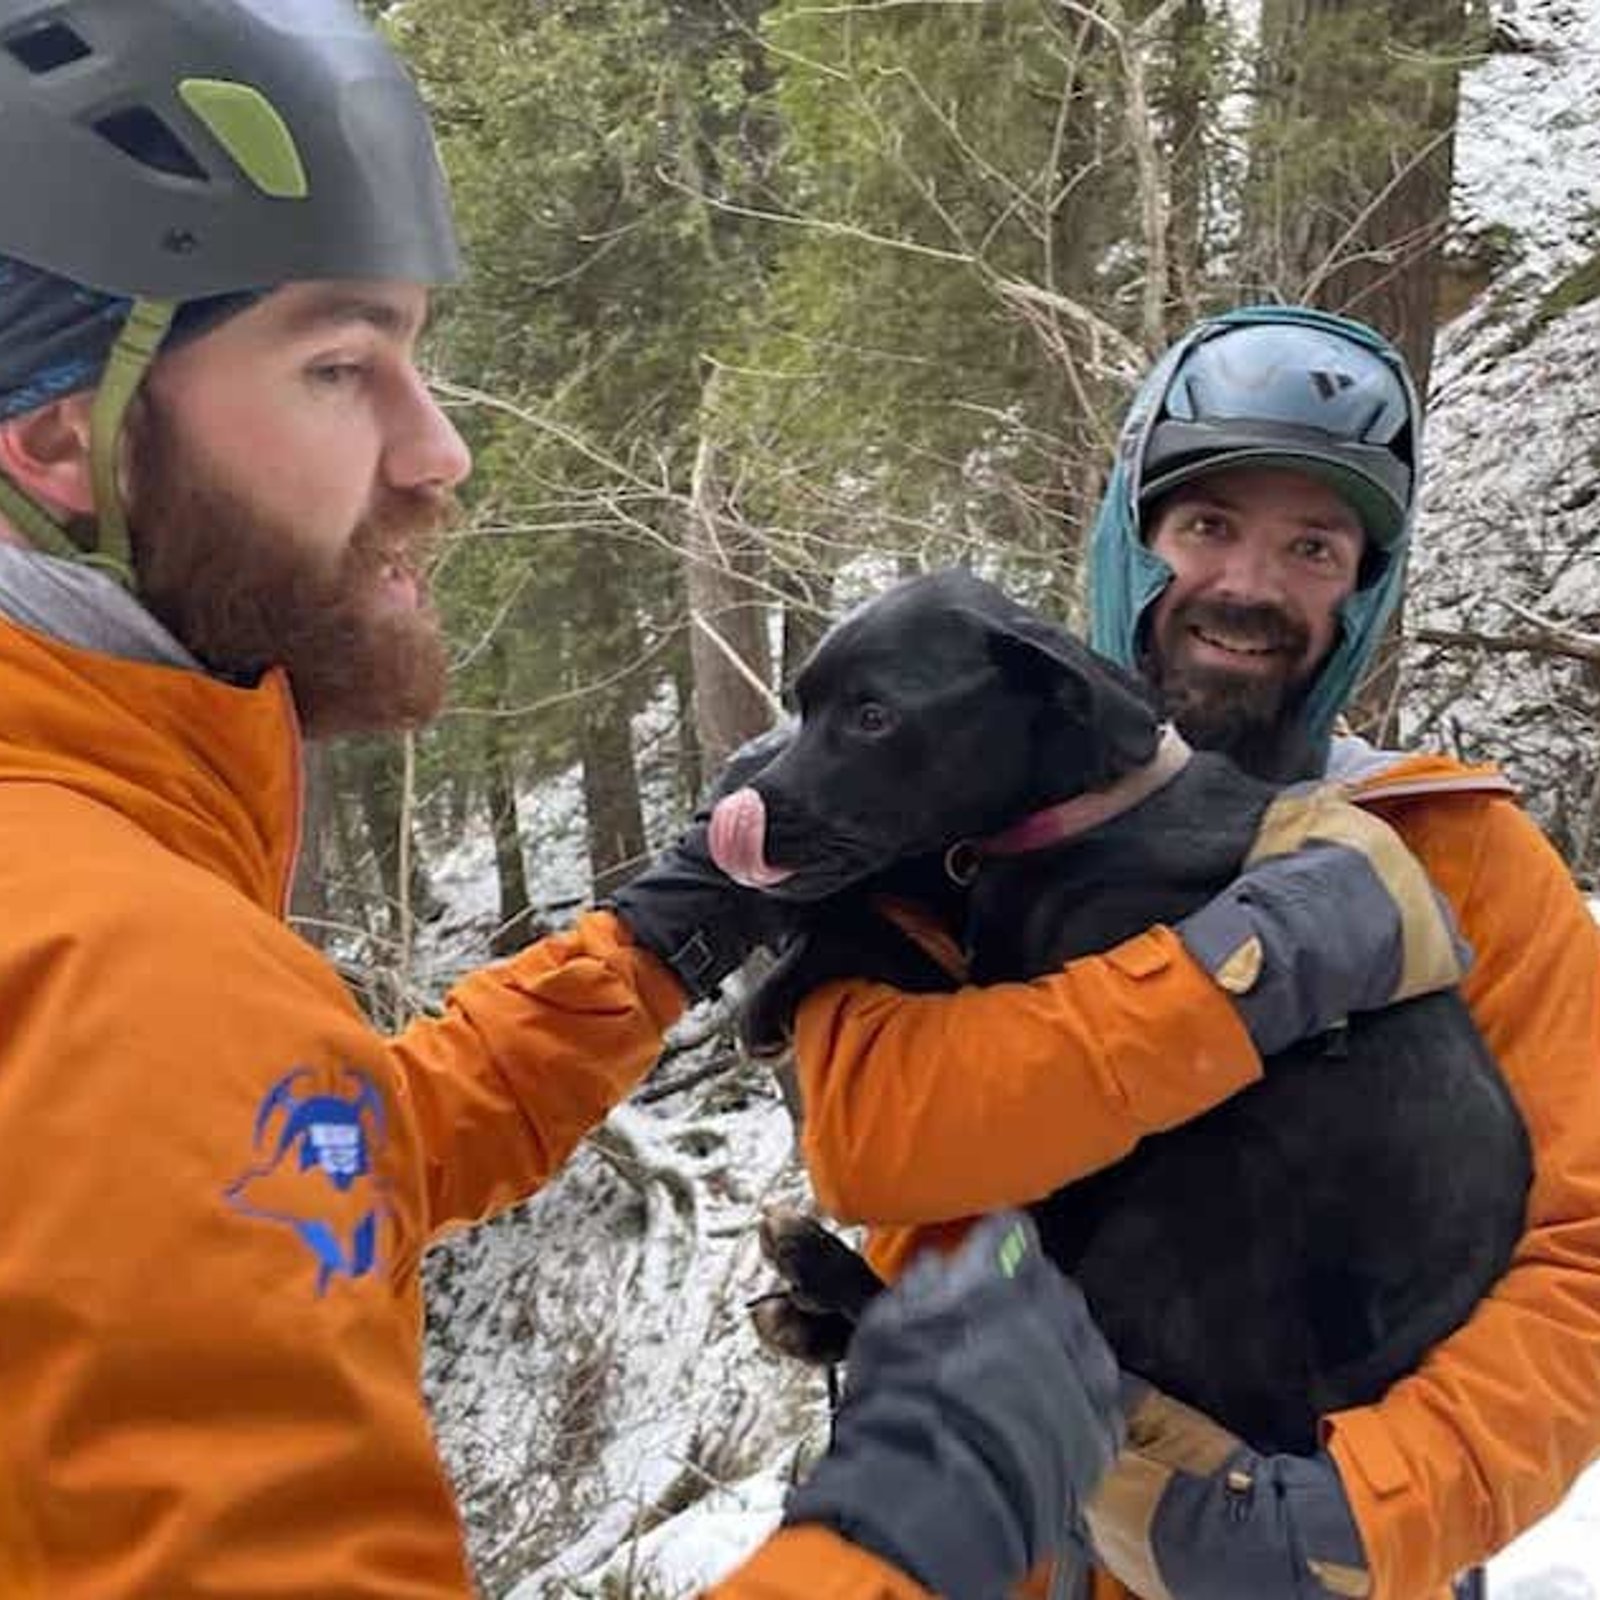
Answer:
x=1291 y=1253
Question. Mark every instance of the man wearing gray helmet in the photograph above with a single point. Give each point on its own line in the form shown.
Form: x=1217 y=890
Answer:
x=1247 y=554
x=218 y=222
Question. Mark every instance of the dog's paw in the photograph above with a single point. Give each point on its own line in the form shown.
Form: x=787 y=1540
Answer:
x=821 y=1273
x=817 y=1338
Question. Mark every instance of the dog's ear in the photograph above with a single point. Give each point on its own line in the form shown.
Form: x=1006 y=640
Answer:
x=1107 y=715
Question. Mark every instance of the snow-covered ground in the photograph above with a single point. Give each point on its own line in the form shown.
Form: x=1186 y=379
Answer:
x=1559 y=1559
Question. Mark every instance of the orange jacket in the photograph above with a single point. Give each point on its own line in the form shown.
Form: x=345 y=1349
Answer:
x=922 y=1110
x=217 y=1181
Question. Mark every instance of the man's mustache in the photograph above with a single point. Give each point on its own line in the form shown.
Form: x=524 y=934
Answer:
x=411 y=526
x=1265 y=625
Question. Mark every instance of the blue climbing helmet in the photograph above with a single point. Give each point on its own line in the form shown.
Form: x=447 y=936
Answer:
x=1267 y=386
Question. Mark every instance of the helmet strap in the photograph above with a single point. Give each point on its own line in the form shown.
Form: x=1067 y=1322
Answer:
x=34 y=523
x=147 y=325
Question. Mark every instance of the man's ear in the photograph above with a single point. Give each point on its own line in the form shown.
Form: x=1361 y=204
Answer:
x=45 y=453
x=1104 y=710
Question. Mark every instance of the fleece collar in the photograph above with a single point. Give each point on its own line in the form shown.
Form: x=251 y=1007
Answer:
x=83 y=607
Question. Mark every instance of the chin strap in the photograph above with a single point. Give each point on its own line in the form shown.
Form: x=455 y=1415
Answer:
x=126 y=366
x=147 y=325
x=34 y=523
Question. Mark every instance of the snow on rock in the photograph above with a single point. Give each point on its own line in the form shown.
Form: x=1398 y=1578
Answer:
x=1507 y=542
x=1528 y=143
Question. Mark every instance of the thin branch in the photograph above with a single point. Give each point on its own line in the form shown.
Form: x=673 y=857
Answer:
x=737 y=662
x=1554 y=630
x=1019 y=291
x=721 y=1062
x=1331 y=261
x=1570 y=647
x=823 y=225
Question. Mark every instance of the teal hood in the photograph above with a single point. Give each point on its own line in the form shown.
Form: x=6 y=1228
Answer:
x=1125 y=578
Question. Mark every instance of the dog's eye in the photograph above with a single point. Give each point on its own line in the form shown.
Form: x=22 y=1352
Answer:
x=873 y=718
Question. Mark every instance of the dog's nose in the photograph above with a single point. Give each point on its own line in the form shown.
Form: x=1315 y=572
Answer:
x=737 y=838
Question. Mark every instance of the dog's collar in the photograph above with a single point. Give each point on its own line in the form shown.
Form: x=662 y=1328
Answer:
x=1082 y=812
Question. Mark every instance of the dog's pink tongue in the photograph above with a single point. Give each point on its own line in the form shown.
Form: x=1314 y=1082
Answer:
x=737 y=837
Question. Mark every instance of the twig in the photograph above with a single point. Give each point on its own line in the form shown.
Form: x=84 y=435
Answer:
x=1571 y=647
x=722 y=1062
x=738 y=663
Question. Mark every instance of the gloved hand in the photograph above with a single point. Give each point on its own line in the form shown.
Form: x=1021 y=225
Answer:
x=1192 y=1512
x=1332 y=914
x=980 y=1410
x=685 y=909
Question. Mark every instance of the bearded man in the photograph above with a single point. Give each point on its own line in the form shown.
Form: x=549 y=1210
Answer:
x=1248 y=552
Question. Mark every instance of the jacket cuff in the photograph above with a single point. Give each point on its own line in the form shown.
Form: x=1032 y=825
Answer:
x=659 y=987
x=1391 y=1517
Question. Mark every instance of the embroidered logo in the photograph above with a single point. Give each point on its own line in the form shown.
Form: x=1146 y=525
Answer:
x=314 y=1170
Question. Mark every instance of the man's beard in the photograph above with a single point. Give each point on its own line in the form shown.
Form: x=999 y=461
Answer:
x=1252 y=718
x=241 y=591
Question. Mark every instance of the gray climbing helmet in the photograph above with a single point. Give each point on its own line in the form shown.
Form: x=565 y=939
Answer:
x=168 y=151
x=1296 y=395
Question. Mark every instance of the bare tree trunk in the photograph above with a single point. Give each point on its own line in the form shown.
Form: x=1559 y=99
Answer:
x=1183 y=101
x=727 y=621
x=807 y=608
x=513 y=925
x=378 y=767
x=691 y=770
x=308 y=901
x=617 y=847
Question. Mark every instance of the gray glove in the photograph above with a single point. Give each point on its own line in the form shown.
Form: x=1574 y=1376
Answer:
x=1332 y=914
x=684 y=909
x=1275 y=1527
x=1190 y=1511
x=980 y=1411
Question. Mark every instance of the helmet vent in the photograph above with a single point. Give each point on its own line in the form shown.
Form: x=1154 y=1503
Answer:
x=140 y=133
x=47 y=48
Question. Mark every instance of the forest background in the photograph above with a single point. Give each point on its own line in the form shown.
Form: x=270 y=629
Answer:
x=770 y=303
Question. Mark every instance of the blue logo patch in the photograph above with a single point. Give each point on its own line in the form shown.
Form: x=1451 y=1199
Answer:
x=315 y=1151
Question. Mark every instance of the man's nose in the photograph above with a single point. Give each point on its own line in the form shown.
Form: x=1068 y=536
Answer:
x=424 y=449
x=1250 y=575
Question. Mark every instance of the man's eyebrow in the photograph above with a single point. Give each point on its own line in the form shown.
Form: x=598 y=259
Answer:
x=1184 y=497
x=338 y=311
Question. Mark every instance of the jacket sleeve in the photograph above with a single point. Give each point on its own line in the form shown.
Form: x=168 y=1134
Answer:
x=808 y=1563
x=1489 y=1434
x=924 y=1108
x=527 y=1058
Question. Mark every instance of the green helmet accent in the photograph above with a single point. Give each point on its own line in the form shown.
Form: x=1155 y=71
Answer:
x=178 y=150
x=1280 y=386
x=249 y=128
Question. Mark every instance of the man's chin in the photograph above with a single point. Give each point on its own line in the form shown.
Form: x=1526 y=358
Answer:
x=1249 y=718
x=393 y=677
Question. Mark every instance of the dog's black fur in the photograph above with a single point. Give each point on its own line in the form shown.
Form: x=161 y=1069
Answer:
x=1292 y=1252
